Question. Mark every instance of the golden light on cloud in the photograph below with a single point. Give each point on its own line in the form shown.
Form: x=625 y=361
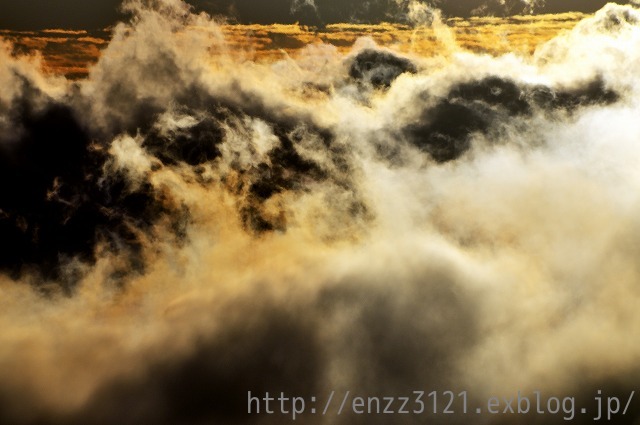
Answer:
x=203 y=212
x=72 y=52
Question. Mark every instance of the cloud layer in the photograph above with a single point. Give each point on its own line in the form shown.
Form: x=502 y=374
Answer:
x=182 y=226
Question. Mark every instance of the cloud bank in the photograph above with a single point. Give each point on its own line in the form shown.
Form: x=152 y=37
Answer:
x=182 y=227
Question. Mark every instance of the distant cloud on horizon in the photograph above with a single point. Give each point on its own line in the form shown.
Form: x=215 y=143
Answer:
x=33 y=14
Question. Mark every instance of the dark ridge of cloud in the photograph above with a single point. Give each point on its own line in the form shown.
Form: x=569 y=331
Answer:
x=445 y=129
x=193 y=146
x=379 y=68
x=55 y=204
x=32 y=168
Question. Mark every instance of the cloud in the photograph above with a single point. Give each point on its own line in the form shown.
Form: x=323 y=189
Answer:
x=184 y=226
x=297 y=4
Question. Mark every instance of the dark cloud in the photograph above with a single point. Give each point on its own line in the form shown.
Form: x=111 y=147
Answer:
x=55 y=203
x=32 y=14
x=266 y=346
x=481 y=107
x=331 y=11
x=269 y=349
x=379 y=68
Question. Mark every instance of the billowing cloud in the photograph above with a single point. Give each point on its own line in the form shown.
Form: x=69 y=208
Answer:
x=184 y=226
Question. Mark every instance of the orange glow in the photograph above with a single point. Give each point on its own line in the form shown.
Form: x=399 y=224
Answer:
x=71 y=53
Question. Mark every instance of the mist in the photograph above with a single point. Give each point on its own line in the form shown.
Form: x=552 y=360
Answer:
x=184 y=226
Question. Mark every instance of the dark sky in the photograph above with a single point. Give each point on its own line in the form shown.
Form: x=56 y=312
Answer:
x=83 y=14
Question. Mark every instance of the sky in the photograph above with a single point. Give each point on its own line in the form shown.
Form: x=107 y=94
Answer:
x=38 y=14
x=184 y=225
